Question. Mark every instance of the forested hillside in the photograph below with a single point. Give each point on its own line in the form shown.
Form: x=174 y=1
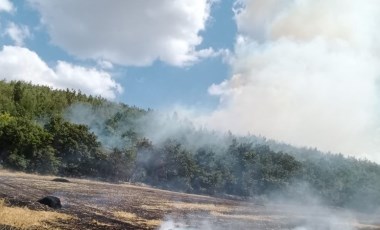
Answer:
x=67 y=133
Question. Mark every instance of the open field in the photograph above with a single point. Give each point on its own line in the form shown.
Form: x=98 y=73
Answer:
x=98 y=205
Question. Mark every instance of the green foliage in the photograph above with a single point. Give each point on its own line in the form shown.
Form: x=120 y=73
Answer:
x=27 y=100
x=66 y=132
x=76 y=146
x=25 y=145
x=342 y=181
x=119 y=164
x=17 y=92
x=210 y=174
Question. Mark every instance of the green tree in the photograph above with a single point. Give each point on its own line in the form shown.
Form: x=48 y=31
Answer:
x=26 y=146
x=76 y=147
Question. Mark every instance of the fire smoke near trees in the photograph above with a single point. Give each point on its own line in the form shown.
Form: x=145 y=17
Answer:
x=305 y=72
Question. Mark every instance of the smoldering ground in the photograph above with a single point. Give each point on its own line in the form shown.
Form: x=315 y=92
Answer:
x=278 y=213
x=102 y=205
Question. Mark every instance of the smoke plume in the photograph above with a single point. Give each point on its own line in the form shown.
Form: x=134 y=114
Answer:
x=305 y=72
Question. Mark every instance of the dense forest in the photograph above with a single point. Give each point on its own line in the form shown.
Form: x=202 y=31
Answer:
x=67 y=133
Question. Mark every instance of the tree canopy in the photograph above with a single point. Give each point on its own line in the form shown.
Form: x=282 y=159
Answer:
x=68 y=133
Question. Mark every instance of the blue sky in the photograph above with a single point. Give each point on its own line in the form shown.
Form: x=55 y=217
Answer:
x=303 y=72
x=157 y=85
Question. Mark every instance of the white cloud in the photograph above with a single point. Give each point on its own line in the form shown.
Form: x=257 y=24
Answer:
x=351 y=21
x=305 y=72
x=17 y=63
x=128 y=32
x=6 y=5
x=104 y=64
x=18 y=33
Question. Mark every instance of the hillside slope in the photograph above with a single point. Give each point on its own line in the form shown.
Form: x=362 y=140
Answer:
x=67 y=133
x=97 y=205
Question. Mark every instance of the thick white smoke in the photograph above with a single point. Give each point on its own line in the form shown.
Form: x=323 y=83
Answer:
x=305 y=72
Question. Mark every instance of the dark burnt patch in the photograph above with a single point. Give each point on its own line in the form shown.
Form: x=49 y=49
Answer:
x=51 y=201
x=62 y=180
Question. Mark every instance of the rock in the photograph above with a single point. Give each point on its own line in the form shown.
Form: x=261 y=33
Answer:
x=51 y=201
x=61 y=180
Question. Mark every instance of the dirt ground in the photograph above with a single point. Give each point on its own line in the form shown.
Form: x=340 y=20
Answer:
x=91 y=204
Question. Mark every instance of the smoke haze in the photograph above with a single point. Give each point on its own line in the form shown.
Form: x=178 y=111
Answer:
x=305 y=72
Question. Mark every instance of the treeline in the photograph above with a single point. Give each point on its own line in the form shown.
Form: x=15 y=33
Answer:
x=67 y=133
x=30 y=101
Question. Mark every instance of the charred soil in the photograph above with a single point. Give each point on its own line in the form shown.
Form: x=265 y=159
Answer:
x=88 y=204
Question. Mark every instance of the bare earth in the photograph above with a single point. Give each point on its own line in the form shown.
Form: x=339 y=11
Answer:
x=98 y=205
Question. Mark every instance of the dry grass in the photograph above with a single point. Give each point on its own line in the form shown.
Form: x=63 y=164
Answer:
x=244 y=217
x=25 y=218
x=199 y=207
x=96 y=204
x=172 y=206
x=25 y=175
x=133 y=219
x=98 y=223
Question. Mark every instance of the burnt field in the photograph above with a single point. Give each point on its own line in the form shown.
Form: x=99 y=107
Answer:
x=90 y=204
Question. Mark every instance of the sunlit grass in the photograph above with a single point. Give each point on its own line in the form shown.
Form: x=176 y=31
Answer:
x=134 y=219
x=171 y=206
x=25 y=218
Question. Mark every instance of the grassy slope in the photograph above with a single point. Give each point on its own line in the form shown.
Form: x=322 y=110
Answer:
x=97 y=205
x=25 y=218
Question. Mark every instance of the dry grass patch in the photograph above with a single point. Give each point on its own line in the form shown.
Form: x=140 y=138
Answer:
x=246 y=217
x=171 y=206
x=199 y=207
x=134 y=219
x=18 y=174
x=25 y=218
x=97 y=223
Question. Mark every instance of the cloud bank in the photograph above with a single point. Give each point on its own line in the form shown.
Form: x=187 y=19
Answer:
x=18 y=63
x=128 y=32
x=6 y=5
x=305 y=72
